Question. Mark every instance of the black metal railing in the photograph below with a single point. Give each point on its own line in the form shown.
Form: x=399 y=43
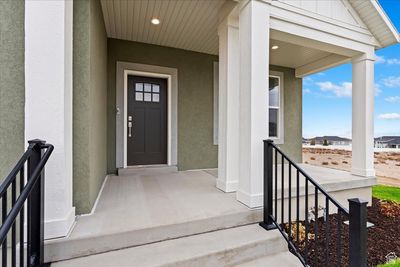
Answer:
x=317 y=228
x=15 y=190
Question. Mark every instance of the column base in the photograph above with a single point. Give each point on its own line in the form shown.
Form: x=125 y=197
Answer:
x=61 y=227
x=251 y=201
x=227 y=186
x=363 y=172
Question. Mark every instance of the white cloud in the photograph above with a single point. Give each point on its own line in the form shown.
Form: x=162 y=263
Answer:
x=390 y=116
x=321 y=73
x=392 y=81
x=392 y=61
x=377 y=89
x=393 y=99
x=379 y=59
x=340 y=90
x=308 y=80
x=306 y=91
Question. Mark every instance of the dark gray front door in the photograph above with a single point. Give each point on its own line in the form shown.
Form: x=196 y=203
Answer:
x=147 y=121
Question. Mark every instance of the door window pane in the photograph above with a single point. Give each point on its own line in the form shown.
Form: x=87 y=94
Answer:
x=138 y=96
x=139 y=87
x=156 y=97
x=273 y=91
x=147 y=97
x=156 y=88
x=273 y=122
x=147 y=87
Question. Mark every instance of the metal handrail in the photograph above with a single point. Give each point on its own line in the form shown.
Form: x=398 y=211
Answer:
x=311 y=180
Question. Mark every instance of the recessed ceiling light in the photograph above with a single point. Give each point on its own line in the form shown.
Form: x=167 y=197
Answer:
x=274 y=47
x=155 y=21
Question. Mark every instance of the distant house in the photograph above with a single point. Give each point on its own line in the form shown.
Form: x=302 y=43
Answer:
x=332 y=140
x=387 y=142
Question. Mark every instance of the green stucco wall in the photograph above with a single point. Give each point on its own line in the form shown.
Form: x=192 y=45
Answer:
x=195 y=99
x=12 y=83
x=292 y=113
x=90 y=101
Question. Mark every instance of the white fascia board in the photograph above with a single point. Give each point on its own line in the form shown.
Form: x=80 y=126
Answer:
x=287 y=31
x=301 y=20
x=322 y=64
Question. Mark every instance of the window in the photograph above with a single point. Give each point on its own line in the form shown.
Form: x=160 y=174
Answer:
x=276 y=107
x=147 y=92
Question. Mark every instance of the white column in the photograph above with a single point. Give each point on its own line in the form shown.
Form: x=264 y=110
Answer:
x=363 y=116
x=253 y=117
x=48 y=103
x=228 y=139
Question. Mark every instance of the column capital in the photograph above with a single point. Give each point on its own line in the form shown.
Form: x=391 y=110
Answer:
x=363 y=57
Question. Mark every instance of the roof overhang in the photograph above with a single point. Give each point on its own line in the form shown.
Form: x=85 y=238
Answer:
x=377 y=21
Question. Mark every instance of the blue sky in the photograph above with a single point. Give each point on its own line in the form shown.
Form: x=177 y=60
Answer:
x=327 y=95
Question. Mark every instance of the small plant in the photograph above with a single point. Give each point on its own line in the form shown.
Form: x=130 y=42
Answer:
x=395 y=263
x=312 y=158
x=325 y=163
x=334 y=163
x=345 y=162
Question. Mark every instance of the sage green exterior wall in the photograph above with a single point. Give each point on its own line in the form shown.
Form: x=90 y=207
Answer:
x=90 y=101
x=195 y=98
x=293 y=108
x=12 y=83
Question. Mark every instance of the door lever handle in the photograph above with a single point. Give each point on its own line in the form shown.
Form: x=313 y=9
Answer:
x=130 y=129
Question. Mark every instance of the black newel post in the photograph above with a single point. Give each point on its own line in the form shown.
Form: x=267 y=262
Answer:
x=267 y=223
x=358 y=233
x=36 y=208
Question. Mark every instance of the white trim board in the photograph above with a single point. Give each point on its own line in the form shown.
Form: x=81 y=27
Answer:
x=171 y=74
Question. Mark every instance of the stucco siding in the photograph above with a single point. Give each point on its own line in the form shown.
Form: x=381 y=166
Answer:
x=90 y=93
x=195 y=99
x=12 y=83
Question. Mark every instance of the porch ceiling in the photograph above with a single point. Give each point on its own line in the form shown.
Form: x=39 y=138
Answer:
x=190 y=25
x=294 y=56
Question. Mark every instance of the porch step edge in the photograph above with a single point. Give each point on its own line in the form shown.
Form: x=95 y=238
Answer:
x=228 y=247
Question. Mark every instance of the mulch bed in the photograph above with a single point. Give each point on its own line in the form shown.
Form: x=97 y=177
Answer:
x=383 y=237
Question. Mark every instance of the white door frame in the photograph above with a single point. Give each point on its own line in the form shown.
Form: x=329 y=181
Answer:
x=123 y=70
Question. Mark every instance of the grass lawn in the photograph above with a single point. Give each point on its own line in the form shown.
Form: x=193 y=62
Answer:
x=394 y=264
x=386 y=192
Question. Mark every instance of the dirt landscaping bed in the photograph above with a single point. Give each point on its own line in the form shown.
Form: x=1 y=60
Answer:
x=383 y=237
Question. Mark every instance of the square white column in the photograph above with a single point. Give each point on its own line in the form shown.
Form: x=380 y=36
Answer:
x=253 y=107
x=48 y=103
x=363 y=116
x=228 y=123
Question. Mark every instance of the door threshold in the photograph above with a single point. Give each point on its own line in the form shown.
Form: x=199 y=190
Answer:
x=131 y=169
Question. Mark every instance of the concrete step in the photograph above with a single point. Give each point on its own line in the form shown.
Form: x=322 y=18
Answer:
x=146 y=168
x=284 y=259
x=228 y=247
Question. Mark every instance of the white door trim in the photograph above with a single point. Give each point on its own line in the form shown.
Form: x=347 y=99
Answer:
x=123 y=70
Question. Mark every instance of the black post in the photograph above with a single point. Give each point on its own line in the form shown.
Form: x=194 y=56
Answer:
x=35 y=208
x=267 y=223
x=358 y=233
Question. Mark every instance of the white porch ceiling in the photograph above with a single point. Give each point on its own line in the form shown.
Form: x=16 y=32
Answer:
x=190 y=24
x=294 y=56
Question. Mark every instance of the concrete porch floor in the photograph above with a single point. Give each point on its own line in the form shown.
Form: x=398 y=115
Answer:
x=155 y=204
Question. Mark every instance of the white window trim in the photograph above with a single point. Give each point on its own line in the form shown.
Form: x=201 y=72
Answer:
x=216 y=104
x=281 y=133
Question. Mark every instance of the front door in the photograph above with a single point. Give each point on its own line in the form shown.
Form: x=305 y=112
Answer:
x=146 y=121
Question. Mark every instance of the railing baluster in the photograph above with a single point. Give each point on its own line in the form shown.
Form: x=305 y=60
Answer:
x=282 y=190
x=298 y=206
x=339 y=238
x=316 y=222
x=290 y=201
x=3 y=217
x=21 y=219
x=276 y=185
x=13 y=234
x=306 y=221
x=327 y=231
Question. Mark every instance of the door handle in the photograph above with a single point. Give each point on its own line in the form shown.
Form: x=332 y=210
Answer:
x=130 y=129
